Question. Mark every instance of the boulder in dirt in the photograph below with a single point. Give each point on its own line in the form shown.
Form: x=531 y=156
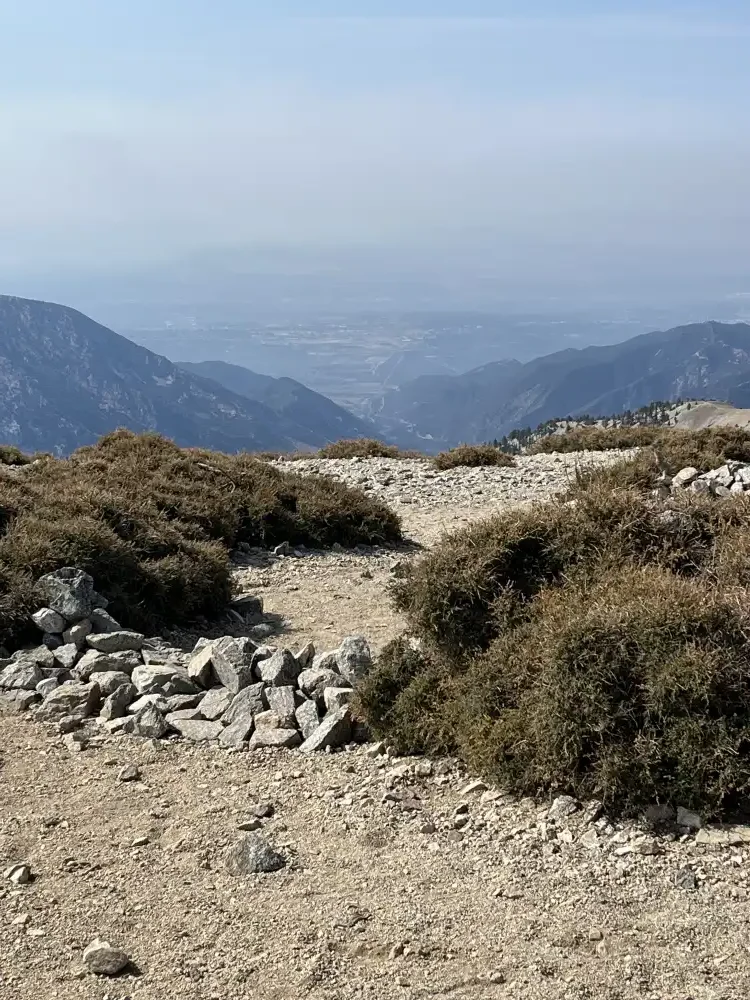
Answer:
x=47 y=686
x=354 y=658
x=111 y=680
x=116 y=703
x=65 y=655
x=279 y=670
x=102 y=621
x=306 y=655
x=22 y=675
x=335 y=698
x=200 y=665
x=239 y=731
x=283 y=738
x=104 y=960
x=216 y=702
x=250 y=700
x=196 y=730
x=48 y=620
x=282 y=703
x=72 y=699
x=115 y=642
x=315 y=680
x=307 y=717
x=251 y=855
x=149 y=722
x=151 y=680
x=77 y=633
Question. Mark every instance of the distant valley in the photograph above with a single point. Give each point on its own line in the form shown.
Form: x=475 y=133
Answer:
x=354 y=359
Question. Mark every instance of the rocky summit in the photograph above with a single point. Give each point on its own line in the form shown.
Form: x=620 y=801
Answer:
x=164 y=830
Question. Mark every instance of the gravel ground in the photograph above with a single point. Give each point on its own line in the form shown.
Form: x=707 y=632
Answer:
x=325 y=596
x=508 y=905
x=400 y=882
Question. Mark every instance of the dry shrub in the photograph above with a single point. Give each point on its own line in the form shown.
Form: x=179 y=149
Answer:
x=154 y=524
x=633 y=690
x=596 y=439
x=596 y=645
x=478 y=581
x=473 y=455
x=664 y=450
x=361 y=448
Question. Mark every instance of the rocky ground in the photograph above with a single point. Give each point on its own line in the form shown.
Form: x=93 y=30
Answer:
x=401 y=878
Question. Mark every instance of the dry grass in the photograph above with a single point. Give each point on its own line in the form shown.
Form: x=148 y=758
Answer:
x=154 y=525
x=364 y=448
x=473 y=456
x=596 y=645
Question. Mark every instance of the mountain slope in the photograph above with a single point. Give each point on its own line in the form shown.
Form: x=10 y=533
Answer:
x=66 y=380
x=700 y=360
x=318 y=417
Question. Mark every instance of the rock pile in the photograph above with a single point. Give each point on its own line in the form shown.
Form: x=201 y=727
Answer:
x=229 y=690
x=728 y=479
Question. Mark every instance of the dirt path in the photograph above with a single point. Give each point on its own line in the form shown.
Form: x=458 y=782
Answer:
x=327 y=596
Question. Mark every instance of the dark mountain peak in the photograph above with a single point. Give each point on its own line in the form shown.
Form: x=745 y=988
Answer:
x=317 y=417
x=65 y=380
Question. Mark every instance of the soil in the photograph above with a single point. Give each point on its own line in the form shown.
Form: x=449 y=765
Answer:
x=400 y=881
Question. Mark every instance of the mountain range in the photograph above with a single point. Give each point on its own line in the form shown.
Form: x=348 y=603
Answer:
x=702 y=360
x=65 y=380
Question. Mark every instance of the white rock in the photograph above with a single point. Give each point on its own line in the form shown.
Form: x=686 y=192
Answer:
x=49 y=621
x=685 y=476
x=335 y=698
x=19 y=874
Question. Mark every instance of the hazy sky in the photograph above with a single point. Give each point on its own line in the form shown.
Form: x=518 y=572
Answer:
x=542 y=136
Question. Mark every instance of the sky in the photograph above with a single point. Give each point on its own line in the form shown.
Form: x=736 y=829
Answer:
x=546 y=140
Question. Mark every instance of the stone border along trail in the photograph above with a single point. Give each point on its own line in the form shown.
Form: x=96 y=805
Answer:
x=379 y=878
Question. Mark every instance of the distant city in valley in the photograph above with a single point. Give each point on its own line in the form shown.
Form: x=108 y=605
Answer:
x=354 y=358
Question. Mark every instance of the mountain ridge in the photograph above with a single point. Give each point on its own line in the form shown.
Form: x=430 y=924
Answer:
x=65 y=380
x=290 y=399
x=698 y=359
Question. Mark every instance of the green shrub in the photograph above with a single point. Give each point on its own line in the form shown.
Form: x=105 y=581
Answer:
x=359 y=448
x=473 y=455
x=10 y=455
x=588 y=438
x=154 y=524
x=595 y=645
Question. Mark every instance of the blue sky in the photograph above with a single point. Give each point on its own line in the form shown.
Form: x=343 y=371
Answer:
x=545 y=134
